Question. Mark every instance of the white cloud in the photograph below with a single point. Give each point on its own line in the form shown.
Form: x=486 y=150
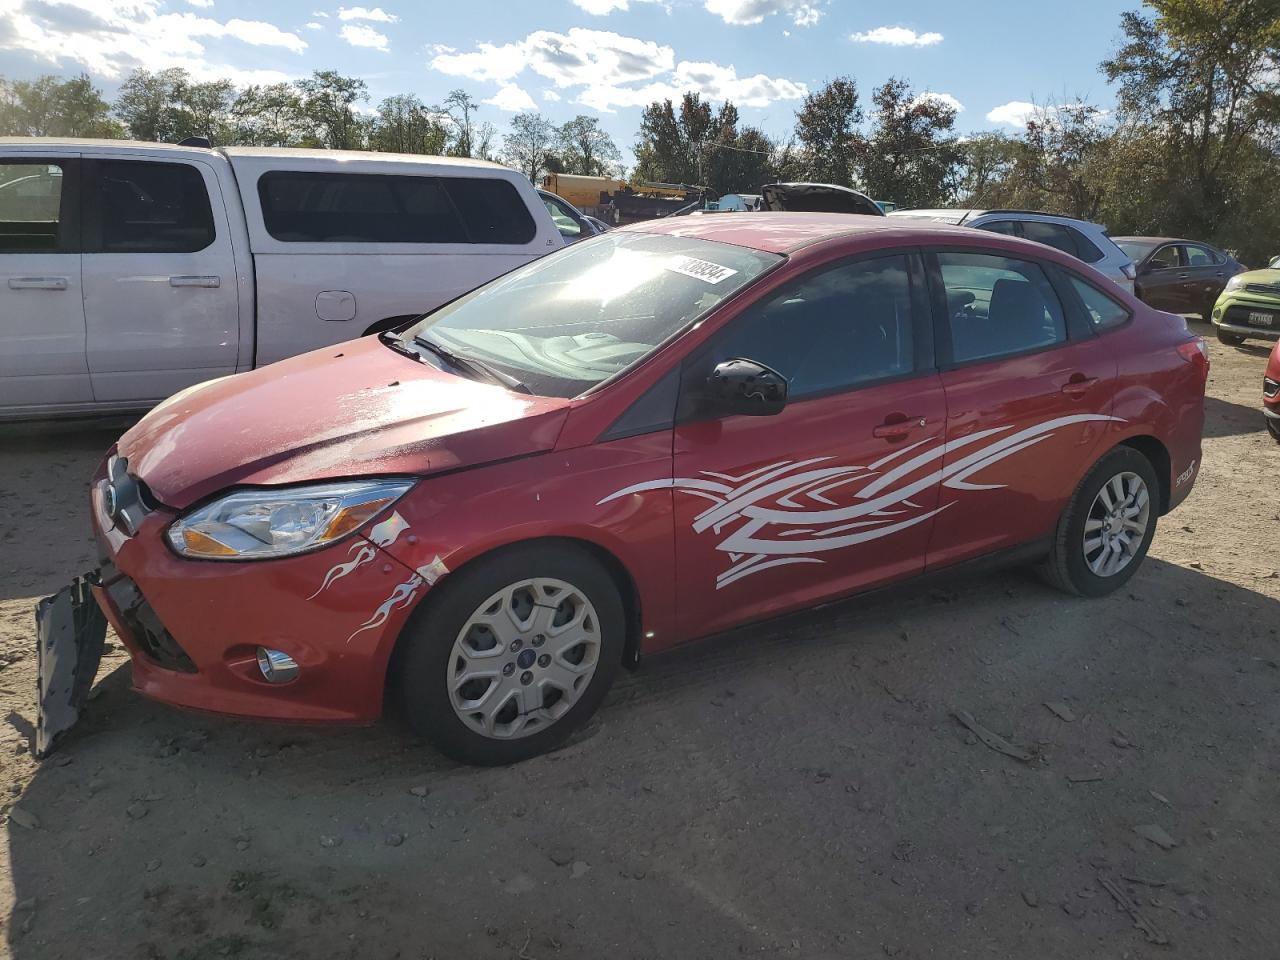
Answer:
x=312 y=25
x=202 y=4
x=376 y=15
x=362 y=36
x=601 y=8
x=1015 y=113
x=897 y=37
x=946 y=98
x=512 y=99
x=550 y=96
x=802 y=13
x=111 y=37
x=611 y=70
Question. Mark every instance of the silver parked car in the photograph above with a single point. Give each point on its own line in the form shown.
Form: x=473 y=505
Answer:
x=1080 y=238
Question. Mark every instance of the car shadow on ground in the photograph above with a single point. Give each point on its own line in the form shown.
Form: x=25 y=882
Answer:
x=1225 y=419
x=719 y=790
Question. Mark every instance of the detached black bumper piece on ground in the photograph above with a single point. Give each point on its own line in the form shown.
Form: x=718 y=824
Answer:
x=70 y=633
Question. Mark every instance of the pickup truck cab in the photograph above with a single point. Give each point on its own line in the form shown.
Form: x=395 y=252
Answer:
x=129 y=271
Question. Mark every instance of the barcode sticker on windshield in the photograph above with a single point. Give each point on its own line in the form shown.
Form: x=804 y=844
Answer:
x=700 y=269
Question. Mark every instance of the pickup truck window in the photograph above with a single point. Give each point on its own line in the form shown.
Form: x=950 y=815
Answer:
x=30 y=207
x=152 y=207
x=300 y=207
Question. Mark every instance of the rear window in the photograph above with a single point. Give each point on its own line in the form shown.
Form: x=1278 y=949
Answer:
x=302 y=207
x=153 y=208
x=30 y=207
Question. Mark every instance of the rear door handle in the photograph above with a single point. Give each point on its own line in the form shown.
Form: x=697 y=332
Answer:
x=37 y=283
x=898 y=428
x=1078 y=385
x=1183 y=276
x=195 y=281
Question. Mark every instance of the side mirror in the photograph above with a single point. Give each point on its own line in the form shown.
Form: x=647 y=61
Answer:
x=747 y=388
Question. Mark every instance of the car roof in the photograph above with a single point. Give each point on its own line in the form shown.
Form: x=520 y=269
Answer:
x=787 y=232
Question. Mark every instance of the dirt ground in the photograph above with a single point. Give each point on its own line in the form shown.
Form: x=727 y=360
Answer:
x=799 y=789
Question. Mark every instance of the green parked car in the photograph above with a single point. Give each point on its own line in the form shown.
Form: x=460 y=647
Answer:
x=1249 y=306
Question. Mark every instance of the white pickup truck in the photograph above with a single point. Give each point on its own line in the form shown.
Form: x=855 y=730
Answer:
x=129 y=271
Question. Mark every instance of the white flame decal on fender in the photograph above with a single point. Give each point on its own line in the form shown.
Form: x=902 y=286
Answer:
x=773 y=528
x=403 y=595
x=383 y=534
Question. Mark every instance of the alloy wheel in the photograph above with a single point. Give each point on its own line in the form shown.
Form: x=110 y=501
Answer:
x=524 y=658
x=1117 y=524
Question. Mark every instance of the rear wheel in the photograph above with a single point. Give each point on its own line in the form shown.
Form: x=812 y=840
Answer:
x=513 y=654
x=1230 y=339
x=1273 y=427
x=1106 y=530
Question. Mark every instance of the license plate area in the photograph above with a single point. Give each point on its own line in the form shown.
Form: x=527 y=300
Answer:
x=1257 y=318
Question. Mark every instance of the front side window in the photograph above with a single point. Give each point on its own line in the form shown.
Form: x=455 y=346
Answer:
x=1166 y=258
x=563 y=324
x=30 y=207
x=1103 y=312
x=300 y=207
x=153 y=207
x=833 y=329
x=998 y=306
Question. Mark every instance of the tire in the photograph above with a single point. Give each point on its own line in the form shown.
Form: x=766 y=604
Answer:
x=506 y=714
x=1230 y=339
x=1068 y=566
x=1273 y=428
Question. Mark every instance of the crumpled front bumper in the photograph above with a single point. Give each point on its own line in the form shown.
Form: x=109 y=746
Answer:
x=70 y=634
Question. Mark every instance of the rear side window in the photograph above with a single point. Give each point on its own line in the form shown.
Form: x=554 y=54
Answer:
x=30 y=207
x=831 y=330
x=1007 y=227
x=1198 y=256
x=300 y=207
x=998 y=306
x=1103 y=312
x=1086 y=249
x=1051 y=235
x=152 y=208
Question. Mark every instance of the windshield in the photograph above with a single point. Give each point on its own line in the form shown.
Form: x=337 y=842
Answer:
x=564 y=323
x=1135 y=250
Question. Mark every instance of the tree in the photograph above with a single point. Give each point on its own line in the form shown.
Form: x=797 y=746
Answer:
x=827 y=130
x=529 y=143
x=328 y=101
x=911 y=155
x=671 y=144
x=1061 y=163
x=586 y=149
x=458 y=107
x=150 y=105
x=269 y=116
x=1202 y=74
x=405 y=125
x=50 y=107
x=205 y=110
x=986 y=160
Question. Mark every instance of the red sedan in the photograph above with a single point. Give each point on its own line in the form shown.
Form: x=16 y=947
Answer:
x=656 y=434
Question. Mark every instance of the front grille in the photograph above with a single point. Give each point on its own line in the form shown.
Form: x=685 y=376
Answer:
x=1266 y=289
x=146 y=629
x=1269 y=387
x=1241 y=316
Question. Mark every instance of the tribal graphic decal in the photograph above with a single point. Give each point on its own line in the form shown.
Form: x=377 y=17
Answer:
x=787 y=512
x=402 y=595
x=360 y=552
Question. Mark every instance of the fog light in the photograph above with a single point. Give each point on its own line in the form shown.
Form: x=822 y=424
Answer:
x=276 y=665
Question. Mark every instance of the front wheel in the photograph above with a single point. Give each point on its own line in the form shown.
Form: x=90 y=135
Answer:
x=1107 y=528
x=1273 y=427
x=1230 y=339
x=513 y=654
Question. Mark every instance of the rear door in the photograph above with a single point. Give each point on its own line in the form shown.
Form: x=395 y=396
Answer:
x=829 y=496
x=1206 y=276
x=160 y=293
x=1163 y=279
x=42 y=354
x=1029 y=390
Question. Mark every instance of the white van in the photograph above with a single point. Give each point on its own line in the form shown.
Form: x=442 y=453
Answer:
x=129 y=271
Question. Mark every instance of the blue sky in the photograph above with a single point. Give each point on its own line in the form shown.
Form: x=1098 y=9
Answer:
x=603 y=57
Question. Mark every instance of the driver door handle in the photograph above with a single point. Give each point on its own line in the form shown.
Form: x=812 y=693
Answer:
x=195 y=281
x=898 y=429
x=37 y=283
x=1078 y=385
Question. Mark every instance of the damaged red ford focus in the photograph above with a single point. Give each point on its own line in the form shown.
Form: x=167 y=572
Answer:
x=657 y=434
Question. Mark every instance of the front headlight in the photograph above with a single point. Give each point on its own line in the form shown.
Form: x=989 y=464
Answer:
x=1235 y=283
x=262 y=524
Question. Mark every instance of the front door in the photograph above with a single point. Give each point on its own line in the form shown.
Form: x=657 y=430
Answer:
x=160 y=293
x=42 y=361
x=1029 y=392
x=833 y=494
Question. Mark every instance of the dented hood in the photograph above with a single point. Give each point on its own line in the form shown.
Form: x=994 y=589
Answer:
x=356 y=409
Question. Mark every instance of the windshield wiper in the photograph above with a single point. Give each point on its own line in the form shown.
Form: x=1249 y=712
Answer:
x=472 y=365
